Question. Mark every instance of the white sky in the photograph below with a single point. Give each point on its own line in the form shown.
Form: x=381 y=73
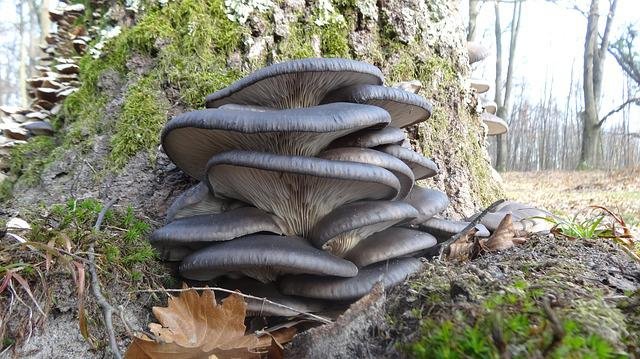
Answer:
x=551 y=39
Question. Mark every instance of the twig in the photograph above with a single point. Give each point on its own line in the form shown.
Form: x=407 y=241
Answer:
x=107 y=309
x=265 y=300
x=556 y=327
x=444 y=247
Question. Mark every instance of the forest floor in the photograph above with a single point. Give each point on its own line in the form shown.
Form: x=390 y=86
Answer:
x=567 y=193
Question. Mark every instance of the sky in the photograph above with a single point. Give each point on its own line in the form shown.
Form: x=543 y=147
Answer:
x=551 y=41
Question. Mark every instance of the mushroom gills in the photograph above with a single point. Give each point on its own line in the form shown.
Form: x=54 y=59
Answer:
x=296 y=83
x=190 y=139
x=198 y=200
x=346 y=226
x=298 y=190
x=405 y=108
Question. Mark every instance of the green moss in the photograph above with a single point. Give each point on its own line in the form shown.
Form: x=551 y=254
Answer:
x=28 y=160
x=297 y=45
x=141 y=119
x=516 y=316
x=335 y=40
x=6 y=190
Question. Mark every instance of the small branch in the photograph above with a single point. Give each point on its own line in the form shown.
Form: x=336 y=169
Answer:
x=556 y=327
x=265 y=300
x=617 y=109
x=444 y=247
x=107 y=309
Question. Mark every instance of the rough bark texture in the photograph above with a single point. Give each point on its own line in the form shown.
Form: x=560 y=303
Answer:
x=166 y=63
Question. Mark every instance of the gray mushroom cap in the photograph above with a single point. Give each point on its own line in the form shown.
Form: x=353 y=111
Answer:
x=364 y=155
x=39 y=128
x=296 y=83
x=343 y=228
x=299 y=190
x=525 y=217
x=332 y=288
x=371 y=138
x=264 y=257
x=190 y=139
x=496 y=125
x=269 y=291
x=421 y=166
x=391 y=243
x=198 y=200
x=428 y=202
x=480 y=85
x=198 y=231
x=405 y=108
x=443 y=229
x=477 y=52
x=490 y=107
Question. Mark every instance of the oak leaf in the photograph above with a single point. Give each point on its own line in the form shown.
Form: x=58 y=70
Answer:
x=195 y=326
x=504 y=237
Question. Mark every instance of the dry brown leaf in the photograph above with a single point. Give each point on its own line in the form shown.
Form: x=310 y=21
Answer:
x=503 y=237
x=463 y=248
x=195 y=326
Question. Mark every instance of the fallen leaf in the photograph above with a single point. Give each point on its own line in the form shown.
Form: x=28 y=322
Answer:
x=195 y=326
x=463 y=248
x=503 y=237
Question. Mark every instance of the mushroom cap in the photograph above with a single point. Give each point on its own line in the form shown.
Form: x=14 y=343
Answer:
x=256 y=307
x=480 y=85
x=495 y=125
x=391 y=243
x=190 y=139
x=299 y=190
x=390 y=273
x=198 y=200
x=198 y=231
x=343 y=228
x=405 y=108
x=428 y=202
x=371 y=138
x=263 y=257
x=377 y=158
x=524 y=217
x=443 y=229
x=490 y=107
x=39 y=128
x=296 y=83
x=421 y=166
x=477 y=52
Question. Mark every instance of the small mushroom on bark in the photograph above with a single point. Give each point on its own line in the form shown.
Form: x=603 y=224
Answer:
x=495 y=125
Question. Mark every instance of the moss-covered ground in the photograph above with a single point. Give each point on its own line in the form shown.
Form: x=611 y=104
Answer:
x=549 y=298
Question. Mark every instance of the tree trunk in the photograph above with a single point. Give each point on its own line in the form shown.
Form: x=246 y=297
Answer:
x=594 y=55
x=473 y=15
x=22 y=65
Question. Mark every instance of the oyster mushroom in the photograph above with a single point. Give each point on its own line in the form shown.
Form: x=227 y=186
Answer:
x=390 y=272
x=192 y=138
x=443 y=229
x=390 y=243
x=343 y=228
x=198 y=231
x=428 y=202
x=299 y=190
x=296 y=83
x=405 y=108
x=480 y=85
x=371 y=138
x=198 y=200
x=263 y=257
x=477 y=52
x=495 y=125
x=421 y=166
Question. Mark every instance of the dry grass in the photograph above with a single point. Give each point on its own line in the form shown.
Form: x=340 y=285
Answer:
x=566 y=193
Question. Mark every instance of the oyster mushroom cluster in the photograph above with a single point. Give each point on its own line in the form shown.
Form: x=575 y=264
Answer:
x=57 y=77
x=307 y=185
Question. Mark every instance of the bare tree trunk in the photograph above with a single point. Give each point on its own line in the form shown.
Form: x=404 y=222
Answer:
x=473 y=15
x=594 y=56
x=22 y=66
x=504 y=103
